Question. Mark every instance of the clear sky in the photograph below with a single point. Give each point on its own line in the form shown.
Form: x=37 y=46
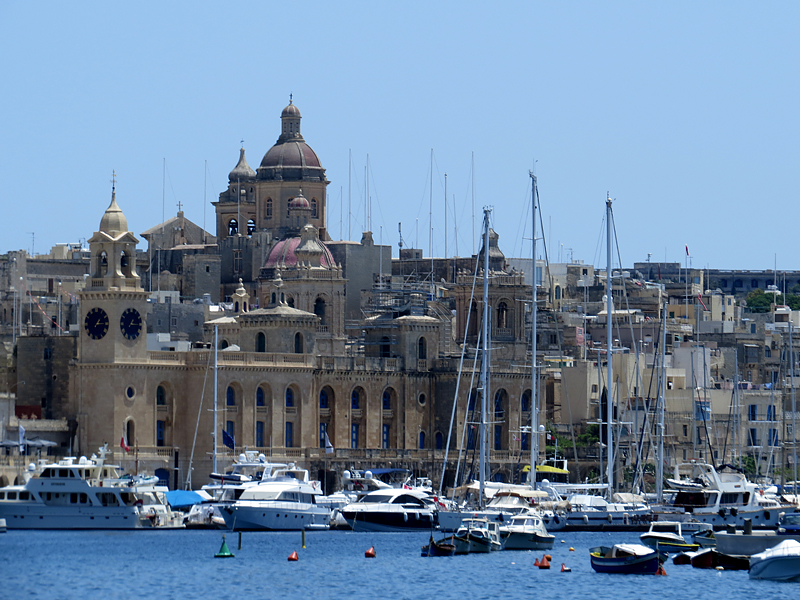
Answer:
x=686 y=113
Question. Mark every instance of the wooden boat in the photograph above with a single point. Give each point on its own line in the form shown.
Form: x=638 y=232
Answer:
x=477 y=535
x=625 y=559
x=441 y=547
x=709 y=558
x=666 y=536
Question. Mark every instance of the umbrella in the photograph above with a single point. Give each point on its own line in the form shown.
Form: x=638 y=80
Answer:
x=37 y=443
x=9 y=444
x=183 y=498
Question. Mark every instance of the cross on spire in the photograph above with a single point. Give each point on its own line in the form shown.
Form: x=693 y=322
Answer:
x=290 y=97
x=113 y=180
x=179 y=206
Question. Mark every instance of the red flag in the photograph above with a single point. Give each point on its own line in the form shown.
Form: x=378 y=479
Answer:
x=700 y=299
x=687 y=249
x=123 y=445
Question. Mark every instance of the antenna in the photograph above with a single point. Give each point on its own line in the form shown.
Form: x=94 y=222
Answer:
x=33 y=243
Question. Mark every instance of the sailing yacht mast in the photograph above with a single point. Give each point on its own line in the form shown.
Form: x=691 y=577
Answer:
x=214 y=435
x=662 y=384
x=484 y=383
x=609 y=344
x=534 y=439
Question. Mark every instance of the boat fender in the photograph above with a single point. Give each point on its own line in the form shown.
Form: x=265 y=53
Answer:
x=734 y=511
x=722 y=512
x=585 y=519
x=556 y=520
x=767 y=514
x=610 y=518
x=405 y=517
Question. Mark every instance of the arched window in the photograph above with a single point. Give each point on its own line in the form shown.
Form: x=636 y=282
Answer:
x=355 y=399
x=161 y=396
x=269 y=208
x=236 y=306
x=323 y=398
x=261 y=399
x=223 y=344
x=233 y=227
x=289 y=397
x=499 y=404
x=261 y=342
x=421 y=440
x=439 y=440
x=502 y=315
x=525 y=401
x=313 y=208
x=251 y=227
x=319 y=310
x=298 y=343
x=385 y=347
x=230 y=396
x=558 y=292
x=102 y=264
x=130 y=433
x=290 y=301
x=422 y=349
x=274 y=298
x=387 y=399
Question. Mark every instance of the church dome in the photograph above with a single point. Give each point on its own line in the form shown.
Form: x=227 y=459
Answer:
x=242 y=170
x=113 y=221
x=291 y=159
x=284 y=255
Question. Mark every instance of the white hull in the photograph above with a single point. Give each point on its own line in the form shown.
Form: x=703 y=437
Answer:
x=528 y=541
x=275 y=516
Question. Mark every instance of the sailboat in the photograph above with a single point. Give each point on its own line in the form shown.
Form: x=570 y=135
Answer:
x=615 y=511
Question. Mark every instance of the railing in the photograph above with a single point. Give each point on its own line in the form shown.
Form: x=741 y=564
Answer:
x=201 y=358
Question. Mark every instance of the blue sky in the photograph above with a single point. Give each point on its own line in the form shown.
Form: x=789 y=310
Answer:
x=685 y=112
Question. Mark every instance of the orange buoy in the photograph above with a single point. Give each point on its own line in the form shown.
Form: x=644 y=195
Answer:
x=293 y=556
x=545 y=564
x=548 y=556
x=536 y=563
x=370 y=553
x=661 y=570
x=571 y=549
x=565 y=568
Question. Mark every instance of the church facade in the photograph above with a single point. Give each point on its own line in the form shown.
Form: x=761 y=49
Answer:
x=279 y=370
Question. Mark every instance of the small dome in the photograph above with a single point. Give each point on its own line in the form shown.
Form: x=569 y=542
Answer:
x=299 y=201
x=242 y=170
x=113 y=221
x=291 y=111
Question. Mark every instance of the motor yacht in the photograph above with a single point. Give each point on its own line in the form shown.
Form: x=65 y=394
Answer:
x=392 y=510
x=86 y=493
x=526 y=531
x=477 y=535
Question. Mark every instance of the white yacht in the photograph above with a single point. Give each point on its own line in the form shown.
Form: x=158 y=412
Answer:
x=526 y=531
x=286 y=501
x=86 y=494
x=720 y=497
x=392 y=510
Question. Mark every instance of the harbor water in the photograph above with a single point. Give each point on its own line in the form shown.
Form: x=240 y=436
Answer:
x=180 y=564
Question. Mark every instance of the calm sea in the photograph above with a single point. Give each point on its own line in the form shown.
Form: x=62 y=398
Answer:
x=181 y=565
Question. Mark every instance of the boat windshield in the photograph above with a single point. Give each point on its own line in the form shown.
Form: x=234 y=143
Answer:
x=791 y=519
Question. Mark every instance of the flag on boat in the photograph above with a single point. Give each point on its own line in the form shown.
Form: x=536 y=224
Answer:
x=228 y=440
x=328 y=445
x=124 y=444
x=687 y=249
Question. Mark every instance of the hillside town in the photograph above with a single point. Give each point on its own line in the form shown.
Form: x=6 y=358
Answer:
x=344 y=355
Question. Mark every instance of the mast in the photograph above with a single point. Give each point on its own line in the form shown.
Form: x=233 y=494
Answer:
x=214 y=435
x=484 y=383
x=662 y=383
x=534 y=441
x=609 y=342
x=794 y=407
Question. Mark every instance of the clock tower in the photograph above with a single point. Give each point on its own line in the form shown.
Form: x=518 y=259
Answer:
x=113 y=304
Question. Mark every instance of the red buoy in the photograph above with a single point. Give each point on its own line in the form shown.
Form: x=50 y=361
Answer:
x=293 y=555
x=565 y=568
x=661 y=570
x=536 y=563
x=545 y=564
x=370 y=553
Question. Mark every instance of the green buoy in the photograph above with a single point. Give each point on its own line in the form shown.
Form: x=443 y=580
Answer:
x=223 y=551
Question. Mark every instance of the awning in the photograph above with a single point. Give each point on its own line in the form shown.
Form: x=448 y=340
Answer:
x=183 y=498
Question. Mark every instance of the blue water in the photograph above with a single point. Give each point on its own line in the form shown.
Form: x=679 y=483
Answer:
x=181 y=565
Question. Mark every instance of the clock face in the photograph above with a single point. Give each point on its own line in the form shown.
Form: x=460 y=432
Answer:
x=130 y=323
x=96 y=323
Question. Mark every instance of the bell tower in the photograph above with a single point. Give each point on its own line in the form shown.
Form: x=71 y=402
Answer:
x=113 y=305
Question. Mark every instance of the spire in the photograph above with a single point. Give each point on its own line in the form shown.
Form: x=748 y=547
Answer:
x=242 y=170
x=113 y=221
x=290 y=128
